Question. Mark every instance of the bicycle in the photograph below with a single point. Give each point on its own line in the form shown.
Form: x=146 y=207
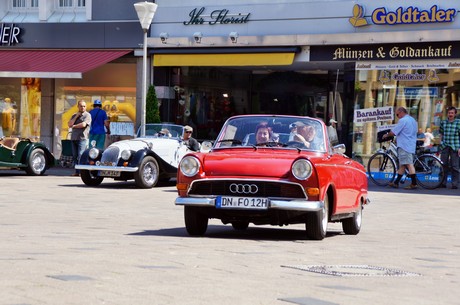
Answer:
x=383 y=165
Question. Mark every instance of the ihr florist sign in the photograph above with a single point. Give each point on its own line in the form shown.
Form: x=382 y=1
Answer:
x=373 y=115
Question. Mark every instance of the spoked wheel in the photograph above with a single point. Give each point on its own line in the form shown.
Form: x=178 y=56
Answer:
x=352 y=225
x=148 y=174
x=196 y=223
x=37 y=162
x=90 y=178
x=316 y=225
x=381 y=169
x=429 y=171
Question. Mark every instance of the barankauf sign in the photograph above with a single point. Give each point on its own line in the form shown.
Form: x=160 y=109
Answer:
x=9 y=34
x=373 y=115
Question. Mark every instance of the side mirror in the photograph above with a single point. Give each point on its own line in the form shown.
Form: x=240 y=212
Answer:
x=206 y=146
x=339 y=149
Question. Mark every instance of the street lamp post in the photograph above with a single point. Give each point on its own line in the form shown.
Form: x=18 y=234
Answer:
x=145 y=12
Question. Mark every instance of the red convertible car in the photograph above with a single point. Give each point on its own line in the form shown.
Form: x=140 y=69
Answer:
x=272 y=170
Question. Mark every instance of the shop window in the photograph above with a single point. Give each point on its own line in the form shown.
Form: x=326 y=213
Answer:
x=114 y=84
x=424 y=93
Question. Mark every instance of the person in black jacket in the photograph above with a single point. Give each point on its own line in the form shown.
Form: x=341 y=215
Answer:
x=191 y=143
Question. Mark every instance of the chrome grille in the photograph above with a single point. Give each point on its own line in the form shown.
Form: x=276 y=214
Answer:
x=110 y=155
x=265 y=188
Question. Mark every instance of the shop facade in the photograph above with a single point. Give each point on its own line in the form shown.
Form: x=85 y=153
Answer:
x=354 y=63
x=55 y=53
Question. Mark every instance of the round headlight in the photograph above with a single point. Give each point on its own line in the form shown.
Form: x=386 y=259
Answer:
x=94 y=153
x=126 y=154
x=189 y=166
x=301 y=169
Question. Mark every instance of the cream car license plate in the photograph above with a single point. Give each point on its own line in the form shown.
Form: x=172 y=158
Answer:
x=250 y=203
x=109 y=173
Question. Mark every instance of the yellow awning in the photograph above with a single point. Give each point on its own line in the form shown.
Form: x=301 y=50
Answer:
x=241 y=59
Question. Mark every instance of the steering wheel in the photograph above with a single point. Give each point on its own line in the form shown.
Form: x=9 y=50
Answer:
x=295 y=144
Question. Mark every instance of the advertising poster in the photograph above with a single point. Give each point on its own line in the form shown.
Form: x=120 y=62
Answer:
x=31 y=95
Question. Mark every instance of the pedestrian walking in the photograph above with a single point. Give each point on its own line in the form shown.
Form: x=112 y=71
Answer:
x=99 y=125
x=80 y=123
x=449 y=132
x=406 y=139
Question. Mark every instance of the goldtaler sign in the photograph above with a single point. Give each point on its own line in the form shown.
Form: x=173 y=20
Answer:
x=409 y=15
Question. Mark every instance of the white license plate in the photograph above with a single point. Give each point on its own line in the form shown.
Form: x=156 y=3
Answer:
x=251 y=203
x=109 y=173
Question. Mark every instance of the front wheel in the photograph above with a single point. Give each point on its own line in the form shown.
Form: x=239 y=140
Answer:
x=381 y=169
x=316 y=225
x=196 y=223
x=352 y=225
x=90 y=178
x=429 y=171
x=36 y=163
x=148 y=174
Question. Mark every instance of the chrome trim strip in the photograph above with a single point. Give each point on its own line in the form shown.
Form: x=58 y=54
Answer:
x=106 y=168
x=279 y=204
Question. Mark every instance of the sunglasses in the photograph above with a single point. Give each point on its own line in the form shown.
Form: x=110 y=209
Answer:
x=188 y=132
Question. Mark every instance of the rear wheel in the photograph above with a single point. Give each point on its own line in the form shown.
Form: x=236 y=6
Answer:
x=196 y=223
x=148 y=174
x=316 y=225
x=37 y=162
x=352 y=225
x=381 y=169
x=429 y=171
x=90 y=178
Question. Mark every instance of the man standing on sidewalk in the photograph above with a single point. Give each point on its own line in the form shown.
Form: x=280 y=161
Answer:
x=80 y=123
x=449 y=132
x=406 y=138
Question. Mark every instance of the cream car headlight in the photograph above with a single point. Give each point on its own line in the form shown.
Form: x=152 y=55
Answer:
x=189 y=166
x=126 y=154
x=94 y=153
x=302 y=169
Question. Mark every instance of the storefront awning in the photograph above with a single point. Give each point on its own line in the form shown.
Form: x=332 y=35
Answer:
x=54 y=63
x=226 y=57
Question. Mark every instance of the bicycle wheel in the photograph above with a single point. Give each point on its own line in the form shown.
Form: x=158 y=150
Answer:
x=381 y=169
x=429 y=171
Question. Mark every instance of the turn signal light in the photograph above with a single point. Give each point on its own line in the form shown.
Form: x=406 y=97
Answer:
x=182 y=186
x=312 y=191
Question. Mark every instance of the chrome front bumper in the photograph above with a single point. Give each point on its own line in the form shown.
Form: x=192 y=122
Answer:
x=279 y=204
x=106 y=168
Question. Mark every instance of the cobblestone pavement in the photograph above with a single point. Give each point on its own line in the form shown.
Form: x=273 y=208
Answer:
x=64 y=243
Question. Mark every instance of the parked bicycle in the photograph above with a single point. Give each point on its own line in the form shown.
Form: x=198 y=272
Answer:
x=383 y=165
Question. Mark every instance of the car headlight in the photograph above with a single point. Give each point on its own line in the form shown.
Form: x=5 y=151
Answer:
x=189 y=166
x=94 y=153
x=301 y=169
x=126 y=154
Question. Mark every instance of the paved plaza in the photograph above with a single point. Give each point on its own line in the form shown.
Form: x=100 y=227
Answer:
x=65 y=243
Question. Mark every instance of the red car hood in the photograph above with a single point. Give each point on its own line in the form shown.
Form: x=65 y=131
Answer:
x=260 y=163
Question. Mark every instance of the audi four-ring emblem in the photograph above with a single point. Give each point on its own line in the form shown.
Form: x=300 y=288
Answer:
x=243 y=188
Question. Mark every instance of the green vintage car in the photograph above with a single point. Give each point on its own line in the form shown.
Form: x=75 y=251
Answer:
x=24 y=154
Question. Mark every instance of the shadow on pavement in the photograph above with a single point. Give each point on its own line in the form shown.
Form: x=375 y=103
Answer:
x=227 y=232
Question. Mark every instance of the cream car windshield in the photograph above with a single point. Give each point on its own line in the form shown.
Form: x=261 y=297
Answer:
x=281 y=132
x=161 y=130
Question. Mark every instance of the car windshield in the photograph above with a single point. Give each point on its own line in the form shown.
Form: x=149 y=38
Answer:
x=272 y=131
x=162 y=130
